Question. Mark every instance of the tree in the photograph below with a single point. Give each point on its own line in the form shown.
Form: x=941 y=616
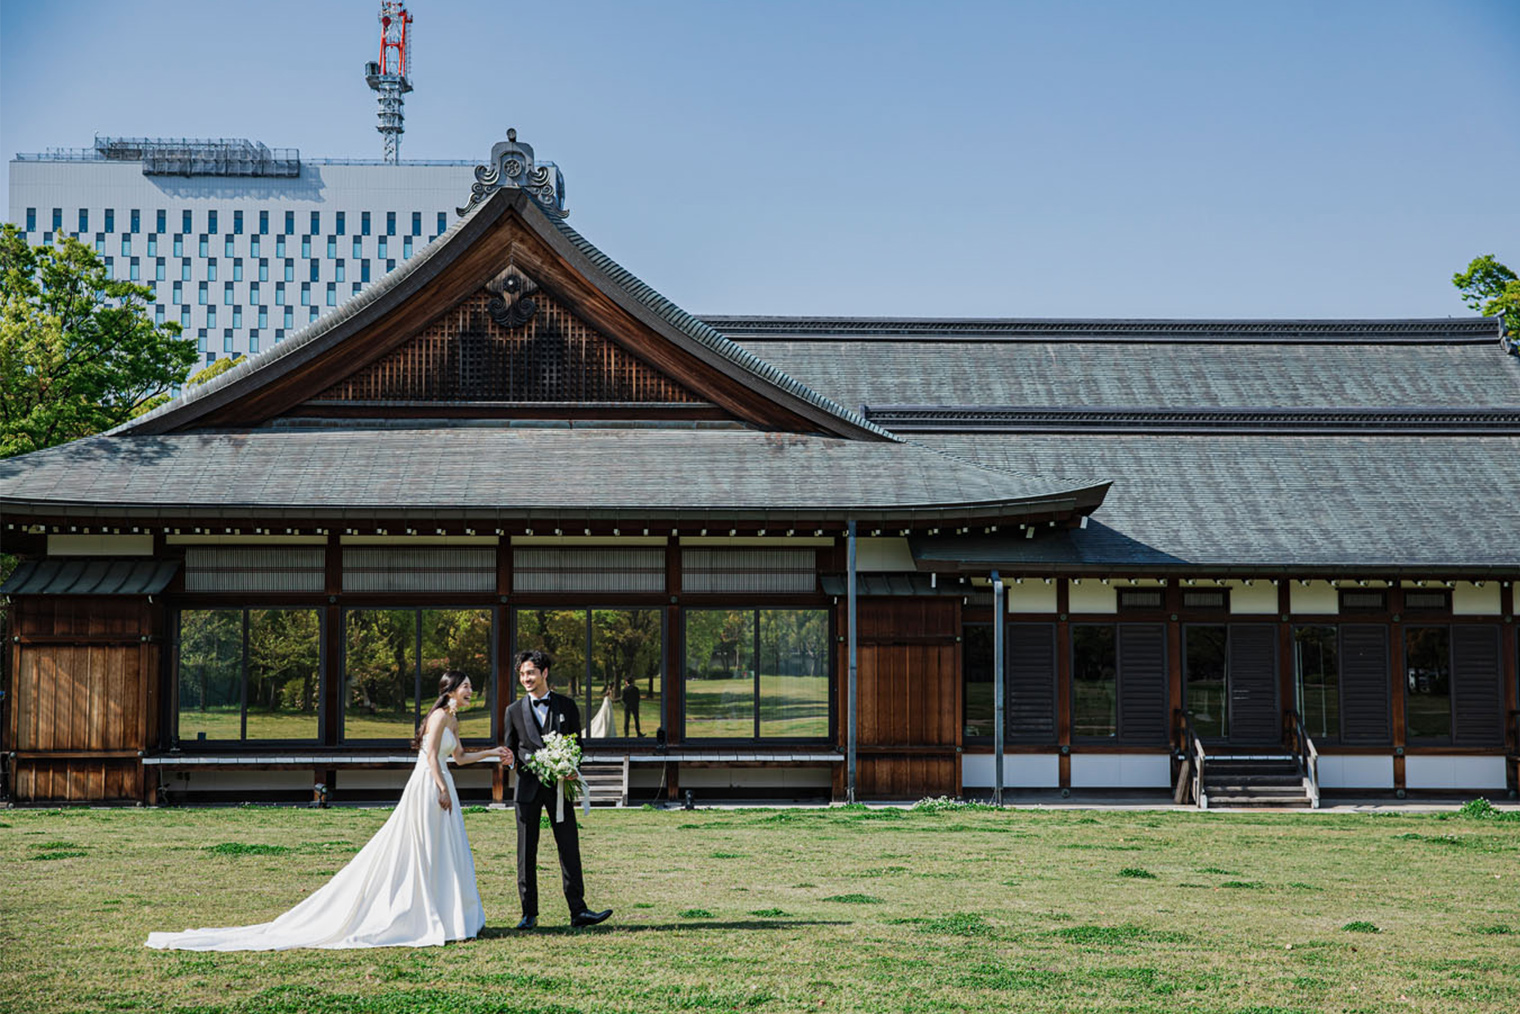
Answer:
x=79 y=352
x=1490 y=288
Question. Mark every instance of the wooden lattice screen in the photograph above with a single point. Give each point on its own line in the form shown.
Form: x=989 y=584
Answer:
x=464 y=355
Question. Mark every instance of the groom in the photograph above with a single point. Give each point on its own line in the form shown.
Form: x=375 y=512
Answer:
x=536 y=712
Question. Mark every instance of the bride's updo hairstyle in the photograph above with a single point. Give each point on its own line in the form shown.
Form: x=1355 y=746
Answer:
x=447 y=684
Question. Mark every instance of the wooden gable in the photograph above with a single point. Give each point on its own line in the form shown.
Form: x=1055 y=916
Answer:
x=509 y=315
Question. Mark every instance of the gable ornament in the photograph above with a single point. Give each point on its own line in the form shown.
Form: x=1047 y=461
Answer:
x=511 y=304
x=512 y=165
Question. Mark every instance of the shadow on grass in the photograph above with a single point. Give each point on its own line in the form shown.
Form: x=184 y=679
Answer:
x=506 y=932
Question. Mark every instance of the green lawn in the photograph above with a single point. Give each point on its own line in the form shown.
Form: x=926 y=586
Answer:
x=847 y=909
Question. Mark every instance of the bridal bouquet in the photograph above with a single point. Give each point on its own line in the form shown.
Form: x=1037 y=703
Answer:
x=560 y=757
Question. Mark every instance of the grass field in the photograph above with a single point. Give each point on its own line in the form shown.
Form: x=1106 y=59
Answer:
x=847 y=909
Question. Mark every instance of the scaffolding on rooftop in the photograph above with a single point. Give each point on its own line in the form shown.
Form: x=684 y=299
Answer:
x=189 y=156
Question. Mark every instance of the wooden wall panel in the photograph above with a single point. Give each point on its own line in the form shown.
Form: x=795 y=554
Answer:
x=905 y=777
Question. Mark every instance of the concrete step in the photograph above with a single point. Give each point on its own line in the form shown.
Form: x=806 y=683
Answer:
x=1264 y=791
x=1300 y=802
x=604 y=784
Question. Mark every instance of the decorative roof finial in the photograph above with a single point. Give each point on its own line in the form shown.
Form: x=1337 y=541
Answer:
x=512 y=165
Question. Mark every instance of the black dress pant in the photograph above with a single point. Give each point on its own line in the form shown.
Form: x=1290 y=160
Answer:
x=566 y=842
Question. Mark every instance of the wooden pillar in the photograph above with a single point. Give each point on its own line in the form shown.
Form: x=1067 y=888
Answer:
x=332 y=638
x=673 y=654
x=506 y=676
x=1396 y=683
x=1172 y=598
x=1063 y=682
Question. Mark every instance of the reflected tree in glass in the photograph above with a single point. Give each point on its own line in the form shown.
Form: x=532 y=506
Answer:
x=719 y=684
x=977 y=675
x=380 y=674
x=1094 y=682
x=459 y=639
x=1427 y=682
x=625 y=670
x=794 y=672
x=1204 y=655
x=211 y=674
x=284 y=674
x=562 y=633
x=1316 y=663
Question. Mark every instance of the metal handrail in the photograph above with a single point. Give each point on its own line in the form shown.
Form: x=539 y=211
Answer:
x=1306 y=753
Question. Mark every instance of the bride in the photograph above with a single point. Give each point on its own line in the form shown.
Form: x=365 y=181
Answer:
x=412 y=885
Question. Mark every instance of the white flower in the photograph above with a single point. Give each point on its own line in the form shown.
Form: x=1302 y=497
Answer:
x=559 y=758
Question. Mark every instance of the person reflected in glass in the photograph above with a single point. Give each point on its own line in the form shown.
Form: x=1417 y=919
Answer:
x=631 y=700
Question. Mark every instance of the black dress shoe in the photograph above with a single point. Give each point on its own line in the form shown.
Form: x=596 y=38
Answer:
x=528 y=922
x=589 y=918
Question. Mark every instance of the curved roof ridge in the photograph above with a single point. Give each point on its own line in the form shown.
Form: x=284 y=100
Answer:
x=303 y=337
x=703 y=333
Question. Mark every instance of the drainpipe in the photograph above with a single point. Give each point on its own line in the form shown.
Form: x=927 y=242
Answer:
x=997 y=689
x=853 y=690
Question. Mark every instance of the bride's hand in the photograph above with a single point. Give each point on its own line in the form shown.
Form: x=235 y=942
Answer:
x=444 y=800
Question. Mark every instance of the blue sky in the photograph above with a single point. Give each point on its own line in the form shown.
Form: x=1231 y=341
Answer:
x=1085 y=159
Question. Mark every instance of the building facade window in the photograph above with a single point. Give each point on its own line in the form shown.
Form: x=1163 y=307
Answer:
x=364 y=271
x=100 y=242
x=263 y=269
x=249 y=674
x=133 y=270
x=211 y=315
x=364 y=223
x=152 y=245
x=179 y=246
x=382 y=247
x=392 y=660
x=1317 y=677
x=185 y=223
x=158 y=269
x=390 y=223
x=135 y=220
x=610 y=659
x=253 y=293
x=31 y=219
x=126 y=244
x=305 y=293
x=332 y=294
x=158 y=315
x=338 y=272
x=358 y=248
x=263 y=316
x=316 y=270
x=339 y=222
x=332 y=247
x=406 y=248
x=110 y=217
x=178 y=294
x=255 y=248
x=211 y=222
x=279 y=293
x=306 y=246
x=416 y=223
x=184 y=270
x=237 y=223
x=253 y=340
x=316 y=222
x=237 y=269
x=289 y=318
x=263 y=223
x=279 y=246
x=443 y=223
x=1427 y=683
x=204 y=247
x=227 y=246
x=211 y=269
x=160 y=221
x=290 y=223
x=755 y=673
x=290 y=270
x=201 y=294
x=237 y=323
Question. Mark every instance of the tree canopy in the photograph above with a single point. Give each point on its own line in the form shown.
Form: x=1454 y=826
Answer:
x=79 y=351
x=1491 y=288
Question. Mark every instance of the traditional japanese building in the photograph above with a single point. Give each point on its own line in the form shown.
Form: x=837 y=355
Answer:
x=1240 y=546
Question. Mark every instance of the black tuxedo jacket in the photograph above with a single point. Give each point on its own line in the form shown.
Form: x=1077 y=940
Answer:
x=524 y=736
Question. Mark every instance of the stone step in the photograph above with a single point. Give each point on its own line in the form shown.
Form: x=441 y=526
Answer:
x=1265 y=791
x=1300 y=802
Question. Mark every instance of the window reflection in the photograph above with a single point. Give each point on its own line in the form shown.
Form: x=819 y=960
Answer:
x=1205 y=689
x=1427 y=682
x=1094 y=682
x=392 y=661
x=279 y=654
x=756 y=673
x=1316 y=664
x=618 y=684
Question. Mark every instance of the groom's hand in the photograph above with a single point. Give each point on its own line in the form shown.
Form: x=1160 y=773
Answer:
x=506 y=756
x=572 y=776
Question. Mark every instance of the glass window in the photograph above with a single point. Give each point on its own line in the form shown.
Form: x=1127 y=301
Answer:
x=263 y=269
x=290 y=270
x=619 y=686
x=158 y=315
x=160 y=221
x=263 y=316
x=200 y=340
x=1427 y=682
x=339 y=219
x=110 y=220
x=204 y=247
x=179 y=246
x=210 y=358
x=250 y=674
x=1094 y=681
x=306 y=246
x=237 y=269
x=358 y=248
x=158 y=269
x=201 y=296
x=279 y=293
x=290 y=223
x=152 y=245
x=253 y=293
x=84 y=220
x=332 y=247
x=332 y=294
x=382 y=247
x=290 y=318
x=211 y=269
x=443 y=223
x=135 y=217
x=364 y=271
x=356 y=288
x=253 y=340
x=756 y=673
x=100 y=242
x=211 y=221
x=305 y=293
x=133 y=270
x=316 y=222
x=279 y=246
x=31 y=219
x=126 y=244
x=184 y=318
x=1316 y=667
x=364 y=222
x=392 y=661
x=416 y=223
x=390 y=223
x=316 y=270
x=178 y=295
x=406 y=247
x=1205 y=654
x=263 y=223
x=57 y=219
x=184 y=222
x=338 y=272
x=237 y=321
x=211 y=315
x=976 y=673
x=237 y=222
x=227 y=335
x=227 y=250
x=184 y=270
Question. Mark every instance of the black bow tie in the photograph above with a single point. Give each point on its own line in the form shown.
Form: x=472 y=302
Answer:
x=542 y=701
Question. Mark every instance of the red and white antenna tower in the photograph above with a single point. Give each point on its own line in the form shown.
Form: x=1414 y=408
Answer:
x=389 y=77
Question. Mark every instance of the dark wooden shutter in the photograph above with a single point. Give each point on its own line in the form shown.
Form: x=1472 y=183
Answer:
x=1476 y=686
x=1366 y=702
x=1142 y=683
x=1254 y=714
x=1031 y=710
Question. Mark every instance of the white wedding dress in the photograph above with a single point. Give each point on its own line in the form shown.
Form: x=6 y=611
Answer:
x=601 y=722
x=412 y=885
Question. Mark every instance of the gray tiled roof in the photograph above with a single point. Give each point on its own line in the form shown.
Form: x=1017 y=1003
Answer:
x=1066 y=373
x=496 y=471
x=1358 y=501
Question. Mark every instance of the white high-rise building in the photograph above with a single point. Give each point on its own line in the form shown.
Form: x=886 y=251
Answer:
x=243 y=244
